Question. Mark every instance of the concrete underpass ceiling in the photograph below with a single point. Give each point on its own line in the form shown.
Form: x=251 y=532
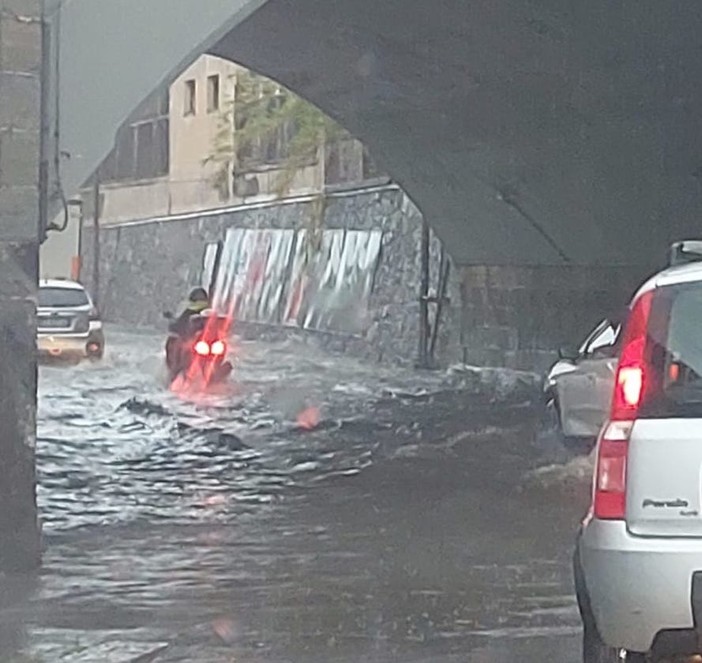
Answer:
x=528 y=131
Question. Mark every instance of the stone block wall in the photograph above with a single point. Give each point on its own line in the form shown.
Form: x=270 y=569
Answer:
x=148 y=267
x=497 y=316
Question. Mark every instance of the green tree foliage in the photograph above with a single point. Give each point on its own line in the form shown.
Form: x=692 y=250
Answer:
x=266 y=123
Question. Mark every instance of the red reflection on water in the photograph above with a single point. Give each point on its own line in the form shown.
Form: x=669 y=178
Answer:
x=309 y=418
x=215 y=500
x=226 y=629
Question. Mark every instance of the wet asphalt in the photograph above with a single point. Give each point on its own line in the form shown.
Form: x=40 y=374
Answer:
x=315 y=509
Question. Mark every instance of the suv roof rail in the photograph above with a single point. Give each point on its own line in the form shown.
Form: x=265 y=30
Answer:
x=685 y=252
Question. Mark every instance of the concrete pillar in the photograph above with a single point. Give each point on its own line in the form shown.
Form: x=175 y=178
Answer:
x=20 y=59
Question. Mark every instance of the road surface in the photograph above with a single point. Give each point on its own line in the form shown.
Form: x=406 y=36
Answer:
x=317 y=510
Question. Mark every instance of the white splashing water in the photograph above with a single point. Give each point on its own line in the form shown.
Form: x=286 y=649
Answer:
x=576 y=471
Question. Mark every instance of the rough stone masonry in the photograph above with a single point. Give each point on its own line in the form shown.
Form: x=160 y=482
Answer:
x=20 y=65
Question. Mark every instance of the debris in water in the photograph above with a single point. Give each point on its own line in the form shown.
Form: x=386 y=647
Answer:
x=309 y=418
x=144 y=407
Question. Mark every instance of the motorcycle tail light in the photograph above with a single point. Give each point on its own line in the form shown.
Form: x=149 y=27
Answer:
x=202 y=348
x=218 y=348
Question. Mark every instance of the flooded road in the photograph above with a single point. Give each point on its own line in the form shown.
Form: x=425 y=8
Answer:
x=318 y=509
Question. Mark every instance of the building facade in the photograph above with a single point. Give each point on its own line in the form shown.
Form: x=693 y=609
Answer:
x=162 y=160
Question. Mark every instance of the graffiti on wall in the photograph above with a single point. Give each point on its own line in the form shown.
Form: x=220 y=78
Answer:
x=273 y=277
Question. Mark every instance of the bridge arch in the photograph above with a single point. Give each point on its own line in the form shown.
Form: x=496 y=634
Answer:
x=532 y=133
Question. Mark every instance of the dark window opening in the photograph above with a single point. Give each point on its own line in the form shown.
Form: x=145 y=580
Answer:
x=145 y=151
x=190 y=106
x=213 y=93
x=343 y=164
x=370 y=168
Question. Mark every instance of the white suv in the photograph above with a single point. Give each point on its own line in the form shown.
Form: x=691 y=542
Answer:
x=68 y=323
x=638 y=560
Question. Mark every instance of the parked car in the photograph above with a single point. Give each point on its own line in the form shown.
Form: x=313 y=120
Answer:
x=638 y=560
x=578 y=387
x=68 y=323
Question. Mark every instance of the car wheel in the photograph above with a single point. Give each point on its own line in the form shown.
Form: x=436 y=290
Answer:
x=552 y=424
x=595 y=650
x=97 y=356
x=552 y=415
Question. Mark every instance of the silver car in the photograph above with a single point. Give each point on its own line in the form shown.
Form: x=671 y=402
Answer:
x=578 y=388
x=638 y=560
x=68 y=323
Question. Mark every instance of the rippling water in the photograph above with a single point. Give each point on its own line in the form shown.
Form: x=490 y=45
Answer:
x=408 y=525
x=115 y=446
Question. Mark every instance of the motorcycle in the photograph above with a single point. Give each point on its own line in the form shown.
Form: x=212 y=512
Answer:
x=198 y=356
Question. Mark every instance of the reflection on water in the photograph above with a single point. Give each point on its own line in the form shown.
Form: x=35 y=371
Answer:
x=317 y=510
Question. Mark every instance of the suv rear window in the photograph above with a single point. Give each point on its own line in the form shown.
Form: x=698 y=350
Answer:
x=674 y=350
x=62 y=297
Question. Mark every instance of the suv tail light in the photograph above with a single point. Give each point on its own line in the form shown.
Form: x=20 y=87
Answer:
x=634 y=375
x=632 y=384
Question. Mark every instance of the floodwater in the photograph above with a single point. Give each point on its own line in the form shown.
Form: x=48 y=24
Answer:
x=317 y=509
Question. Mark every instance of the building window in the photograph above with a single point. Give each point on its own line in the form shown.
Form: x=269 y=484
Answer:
x=124 y=169
x=370 y=168
x=163 y=102
x=145 y=165
x=141 y=149
x=213 y=93
x=343 y=163
x=190 y=97
x=162 y=146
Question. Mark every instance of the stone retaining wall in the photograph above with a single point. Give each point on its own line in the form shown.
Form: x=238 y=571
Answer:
x=147 y=267
x=497 y=316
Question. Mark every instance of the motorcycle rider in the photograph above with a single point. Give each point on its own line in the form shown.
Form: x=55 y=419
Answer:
x=198 y=301
x=181 y=329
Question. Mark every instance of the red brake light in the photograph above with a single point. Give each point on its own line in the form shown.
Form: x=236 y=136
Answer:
x=202 y=348
x=633 y=375
x=632 y=383
x=610 y=476
x=218 y=348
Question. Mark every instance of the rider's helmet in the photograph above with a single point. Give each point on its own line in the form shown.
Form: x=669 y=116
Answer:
x=198 y=295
